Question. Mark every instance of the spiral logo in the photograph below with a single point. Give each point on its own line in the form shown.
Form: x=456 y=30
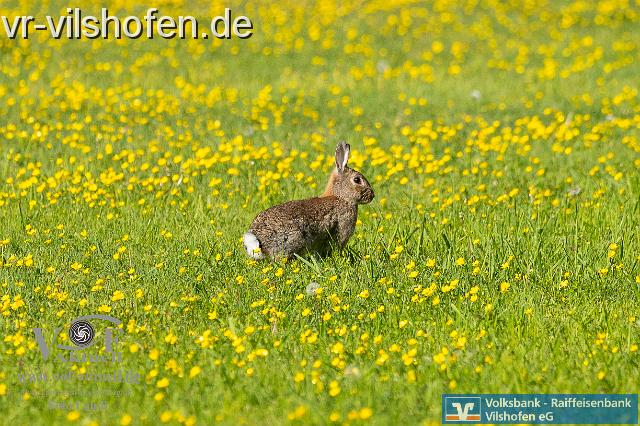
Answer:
x=81 y=333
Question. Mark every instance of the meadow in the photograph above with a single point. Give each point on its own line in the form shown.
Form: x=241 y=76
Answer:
x=501 y=253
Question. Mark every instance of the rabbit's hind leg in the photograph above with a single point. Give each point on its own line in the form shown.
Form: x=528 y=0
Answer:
x=283 y=244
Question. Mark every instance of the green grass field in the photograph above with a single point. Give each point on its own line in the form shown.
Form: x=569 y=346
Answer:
x=501 y=253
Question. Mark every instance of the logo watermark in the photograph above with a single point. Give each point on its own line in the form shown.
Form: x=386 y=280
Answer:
x=61 y=383
x=81 y=334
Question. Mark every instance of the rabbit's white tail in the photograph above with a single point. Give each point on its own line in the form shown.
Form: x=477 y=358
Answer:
x=252 y=246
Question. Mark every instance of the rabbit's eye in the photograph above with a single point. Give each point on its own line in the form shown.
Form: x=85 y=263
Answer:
x=357 y=180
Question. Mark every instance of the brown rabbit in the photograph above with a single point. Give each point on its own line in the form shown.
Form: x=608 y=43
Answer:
x=314 y=225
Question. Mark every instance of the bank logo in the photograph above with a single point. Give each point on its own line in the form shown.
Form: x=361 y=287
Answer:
x=462 y=409
x=82 y=335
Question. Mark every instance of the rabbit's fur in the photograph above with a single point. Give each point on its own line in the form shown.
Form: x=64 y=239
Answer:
x=315 y=225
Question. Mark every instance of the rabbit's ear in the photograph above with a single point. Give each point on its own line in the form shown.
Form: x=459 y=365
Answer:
x=342 y=156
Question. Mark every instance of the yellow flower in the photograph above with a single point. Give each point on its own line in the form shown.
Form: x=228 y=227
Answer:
x=337 y=348
x=334 y=388
x=195 y=370
x=171 y=338
x=117 y=295
x=73 y=416
x=299 y=412
x=365 y=413
x=166 y=416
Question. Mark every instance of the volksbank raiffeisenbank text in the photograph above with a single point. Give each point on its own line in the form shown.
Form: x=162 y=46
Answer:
x=78 y=25
x=540 y=408
x=564 y=402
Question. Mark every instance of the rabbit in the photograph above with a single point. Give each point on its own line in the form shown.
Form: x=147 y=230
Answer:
x=314 y=225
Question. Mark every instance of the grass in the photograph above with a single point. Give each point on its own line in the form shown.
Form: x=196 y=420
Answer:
x=500 y=254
